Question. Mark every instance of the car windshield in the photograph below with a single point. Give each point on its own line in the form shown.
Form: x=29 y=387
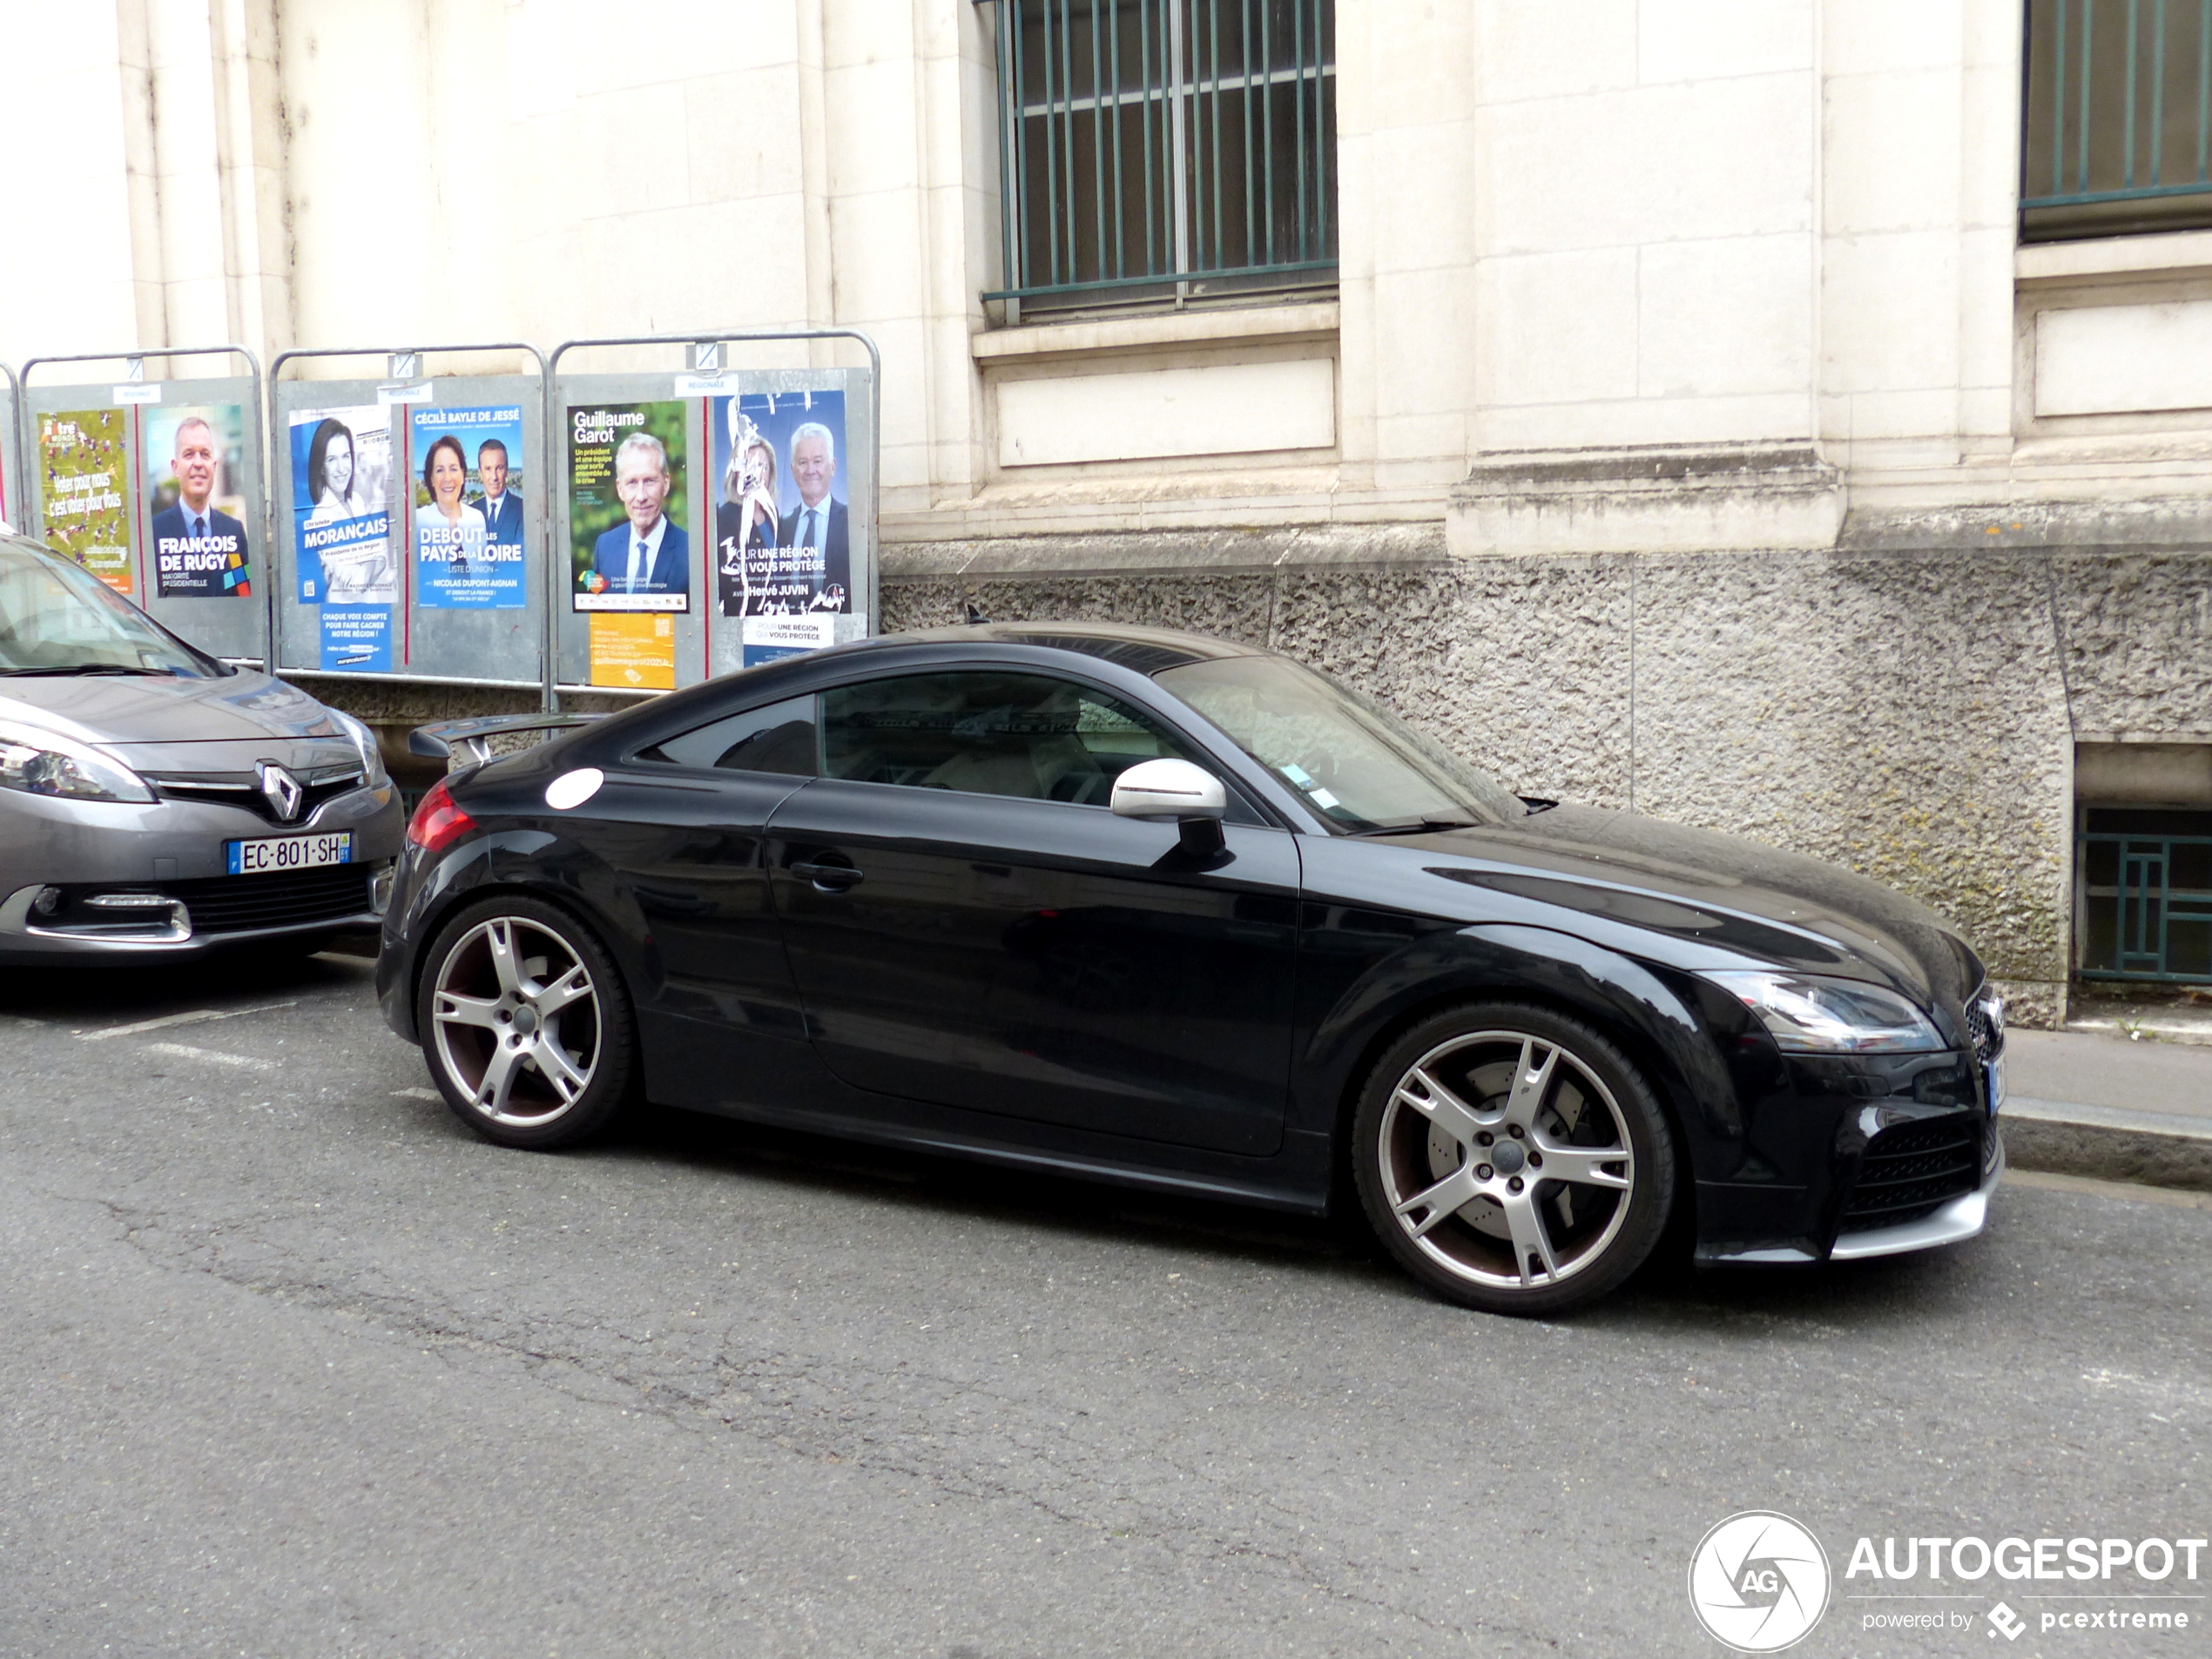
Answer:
x=1359 y=766
x=56 y=618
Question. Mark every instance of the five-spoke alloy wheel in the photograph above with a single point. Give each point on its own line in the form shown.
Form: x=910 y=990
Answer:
x=525 y=1024
x=1512 y=1159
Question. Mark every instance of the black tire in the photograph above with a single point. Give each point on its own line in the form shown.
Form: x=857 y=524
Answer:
x=1465 y=1110
x=524 y=1053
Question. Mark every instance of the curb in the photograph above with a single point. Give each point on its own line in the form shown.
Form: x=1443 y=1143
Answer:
x=2103 y=1142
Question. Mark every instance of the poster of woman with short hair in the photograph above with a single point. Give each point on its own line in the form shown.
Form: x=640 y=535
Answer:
x=467 y=536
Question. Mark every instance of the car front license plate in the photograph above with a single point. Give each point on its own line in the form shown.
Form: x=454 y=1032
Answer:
x=289 y=852
x=1995 y=1072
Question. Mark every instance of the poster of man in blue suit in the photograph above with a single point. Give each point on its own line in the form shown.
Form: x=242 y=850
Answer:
x=625 y=496
x=193 y=460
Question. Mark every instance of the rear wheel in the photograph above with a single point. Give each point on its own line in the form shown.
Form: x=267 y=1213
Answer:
x=525 y=1024
x=1512 y=1159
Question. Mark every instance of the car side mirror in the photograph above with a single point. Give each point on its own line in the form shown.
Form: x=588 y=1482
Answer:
x=1175 y=790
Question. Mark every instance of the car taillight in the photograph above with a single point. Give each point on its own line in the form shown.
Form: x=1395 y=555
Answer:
x=438 y=823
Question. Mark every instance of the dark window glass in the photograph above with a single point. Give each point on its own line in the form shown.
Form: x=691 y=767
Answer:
x=1163 y=148
x=779 y=737
x=1360 y=766
x=986 y=734
x=2117 y=118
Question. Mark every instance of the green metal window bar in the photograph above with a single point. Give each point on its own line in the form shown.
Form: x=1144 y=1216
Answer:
x=2118 y=116
x=1158 y=149
x=2147 y=908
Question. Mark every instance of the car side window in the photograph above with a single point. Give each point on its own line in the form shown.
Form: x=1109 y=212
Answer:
x=989 y=733
x=779 y=737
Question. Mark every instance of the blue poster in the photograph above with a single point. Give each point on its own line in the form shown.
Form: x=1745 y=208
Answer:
x=467 y=540
x=782 y=527
x=357 y=639
x=342 y=506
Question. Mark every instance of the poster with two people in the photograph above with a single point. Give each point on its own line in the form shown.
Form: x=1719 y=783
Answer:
x=468 y=548
x=783 y=539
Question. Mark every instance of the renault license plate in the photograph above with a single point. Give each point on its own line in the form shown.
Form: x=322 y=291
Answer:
x=289 y=852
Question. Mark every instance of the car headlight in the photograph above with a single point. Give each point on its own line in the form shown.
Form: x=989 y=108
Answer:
x=372 y=773
x=1807 y=1015
x=45 y=762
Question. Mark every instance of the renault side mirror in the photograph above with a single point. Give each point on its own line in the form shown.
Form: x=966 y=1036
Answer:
x=1175 y=790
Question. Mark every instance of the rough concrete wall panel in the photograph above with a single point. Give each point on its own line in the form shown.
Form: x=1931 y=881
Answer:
x=2138 y=632
x=1899 y=716
x=1522 y=666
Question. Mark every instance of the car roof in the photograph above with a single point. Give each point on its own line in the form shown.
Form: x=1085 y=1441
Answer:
x=1145 y=650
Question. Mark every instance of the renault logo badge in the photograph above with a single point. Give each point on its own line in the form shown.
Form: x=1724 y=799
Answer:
x=281 y=789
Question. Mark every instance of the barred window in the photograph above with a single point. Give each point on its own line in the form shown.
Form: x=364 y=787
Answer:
x=1164 y=151
x=2118 y=120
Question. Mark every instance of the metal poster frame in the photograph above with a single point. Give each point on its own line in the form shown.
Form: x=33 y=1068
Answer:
x=706 y=377
x=404 y=379
x=12 y=482
x=247 y=389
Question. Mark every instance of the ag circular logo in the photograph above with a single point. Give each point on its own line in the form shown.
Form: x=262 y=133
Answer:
x=1758 y=1581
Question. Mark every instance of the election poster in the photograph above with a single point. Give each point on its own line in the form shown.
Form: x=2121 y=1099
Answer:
x=782 y=531
x=84 y=453
x=193 y=467
x=468 y=540
x=342 y=506
x=341 y=502
x=628 y=548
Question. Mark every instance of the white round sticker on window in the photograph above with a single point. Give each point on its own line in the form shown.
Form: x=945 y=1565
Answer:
x=574 y=788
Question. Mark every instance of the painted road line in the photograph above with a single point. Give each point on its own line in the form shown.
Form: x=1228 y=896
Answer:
x=417 y=1093
x=186 y=1051
x=192 y=1018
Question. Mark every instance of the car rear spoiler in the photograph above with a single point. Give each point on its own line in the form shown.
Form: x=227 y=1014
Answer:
x=436 y=741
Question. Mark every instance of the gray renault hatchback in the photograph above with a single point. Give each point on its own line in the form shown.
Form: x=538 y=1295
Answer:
x=158 y=804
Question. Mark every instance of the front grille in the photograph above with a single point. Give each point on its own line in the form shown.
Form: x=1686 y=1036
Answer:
x=1913 y=1169
x=239 y=789
x=237 y=904
x=1988 y=1040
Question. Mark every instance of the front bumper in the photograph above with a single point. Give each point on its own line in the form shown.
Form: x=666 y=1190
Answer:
x=1961 y=1219
x=163 y=862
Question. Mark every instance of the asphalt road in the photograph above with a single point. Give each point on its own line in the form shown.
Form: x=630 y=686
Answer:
x=291 y=1364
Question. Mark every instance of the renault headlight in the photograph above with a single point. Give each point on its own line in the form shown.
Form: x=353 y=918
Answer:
x=372 y=771
x=1807 y=1015
x=45 y=762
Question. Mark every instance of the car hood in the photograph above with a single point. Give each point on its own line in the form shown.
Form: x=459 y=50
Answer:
x=123 y=712
x=1721 y=895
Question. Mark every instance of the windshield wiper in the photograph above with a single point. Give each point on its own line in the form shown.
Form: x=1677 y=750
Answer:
x=87 y=668
x=1427 y=826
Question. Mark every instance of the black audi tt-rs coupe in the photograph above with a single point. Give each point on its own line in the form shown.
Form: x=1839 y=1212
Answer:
x=1164 y=910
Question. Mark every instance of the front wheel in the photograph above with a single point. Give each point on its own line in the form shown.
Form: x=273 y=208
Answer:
x=1512 y=1159
x=525 y=1024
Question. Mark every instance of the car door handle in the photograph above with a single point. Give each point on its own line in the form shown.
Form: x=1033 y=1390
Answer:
x=830 y=878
